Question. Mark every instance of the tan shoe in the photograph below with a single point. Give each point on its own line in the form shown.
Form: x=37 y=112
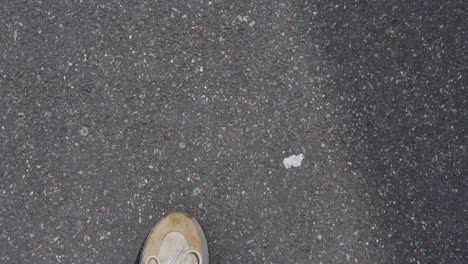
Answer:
x=176 y=239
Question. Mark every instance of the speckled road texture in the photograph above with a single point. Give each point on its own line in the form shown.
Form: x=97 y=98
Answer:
x=116 y=113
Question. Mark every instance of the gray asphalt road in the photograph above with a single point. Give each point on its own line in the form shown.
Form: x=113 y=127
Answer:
x=116 y=113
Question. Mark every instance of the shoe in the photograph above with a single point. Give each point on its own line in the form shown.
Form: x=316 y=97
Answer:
x=176 y=239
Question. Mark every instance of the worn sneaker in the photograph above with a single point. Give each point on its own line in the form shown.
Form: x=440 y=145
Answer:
x=176 y=239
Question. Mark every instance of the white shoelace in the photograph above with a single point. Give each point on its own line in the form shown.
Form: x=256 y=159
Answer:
x=179 y=253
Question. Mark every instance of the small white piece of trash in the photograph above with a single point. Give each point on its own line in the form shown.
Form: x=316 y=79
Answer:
x=293 y=161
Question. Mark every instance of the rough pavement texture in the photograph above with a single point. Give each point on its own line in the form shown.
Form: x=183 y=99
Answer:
x=116 y=113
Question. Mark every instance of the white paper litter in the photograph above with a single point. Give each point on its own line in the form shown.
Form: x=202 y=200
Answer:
x=293 y=161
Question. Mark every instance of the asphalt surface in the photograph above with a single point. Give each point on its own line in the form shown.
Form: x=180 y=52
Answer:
x=116 y=113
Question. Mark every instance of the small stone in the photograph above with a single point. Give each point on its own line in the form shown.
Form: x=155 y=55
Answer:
x=348 y=257
x=182 y=145
x=56 y=238
x=252 y=23
x=84 y=131
x=319 y=236
x=196 y=191
x=21 y=114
